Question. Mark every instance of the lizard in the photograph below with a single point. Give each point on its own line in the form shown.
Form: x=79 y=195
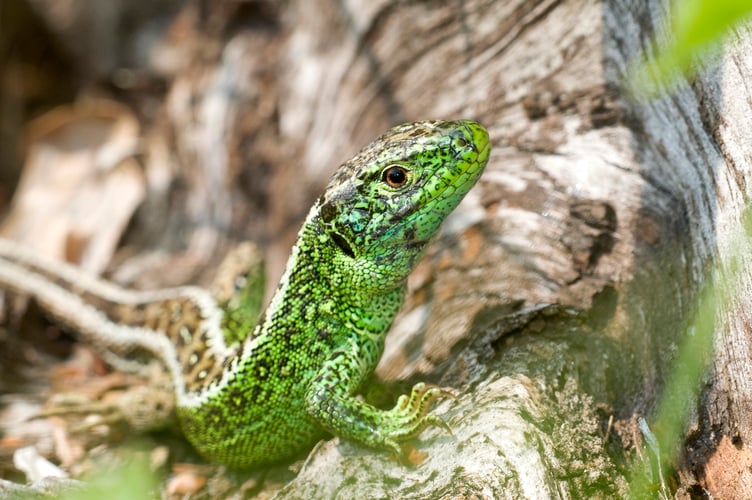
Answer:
x=247 y=396
x=237 y=288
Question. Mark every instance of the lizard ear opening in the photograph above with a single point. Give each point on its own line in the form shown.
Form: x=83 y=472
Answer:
x=342 y=243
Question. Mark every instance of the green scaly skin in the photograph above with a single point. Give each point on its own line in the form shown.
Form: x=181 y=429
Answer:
x=250 y=397
x=324 y=331
x=238 y=288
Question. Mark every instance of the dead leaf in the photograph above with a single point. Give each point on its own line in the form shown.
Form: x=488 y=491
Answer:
x=80 y=183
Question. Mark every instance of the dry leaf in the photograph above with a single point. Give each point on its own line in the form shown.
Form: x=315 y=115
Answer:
x=80 y=183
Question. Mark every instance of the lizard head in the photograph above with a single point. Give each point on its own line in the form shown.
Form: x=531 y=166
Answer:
x=382 y=207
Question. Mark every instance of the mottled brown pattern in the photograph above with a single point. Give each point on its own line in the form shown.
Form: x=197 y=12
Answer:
x=180 y=319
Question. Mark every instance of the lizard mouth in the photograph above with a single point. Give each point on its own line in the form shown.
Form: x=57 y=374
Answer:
x=417 y=245
x=462 y=179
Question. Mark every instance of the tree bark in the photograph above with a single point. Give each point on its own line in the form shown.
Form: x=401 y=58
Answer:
x=555 y=298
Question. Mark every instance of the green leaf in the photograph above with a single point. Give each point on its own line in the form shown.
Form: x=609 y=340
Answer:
x=697 y=26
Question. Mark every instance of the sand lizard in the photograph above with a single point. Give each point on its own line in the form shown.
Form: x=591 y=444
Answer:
x=249 y=395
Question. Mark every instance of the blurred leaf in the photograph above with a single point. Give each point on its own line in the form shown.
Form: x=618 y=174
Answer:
x=128 y=479
x=696 y=27
x=698 y=22
x=679 y=394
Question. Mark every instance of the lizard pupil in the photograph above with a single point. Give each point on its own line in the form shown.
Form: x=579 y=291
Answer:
x=395 y=176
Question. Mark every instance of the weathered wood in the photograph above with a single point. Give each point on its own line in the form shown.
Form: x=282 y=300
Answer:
x=595 y=198
x=556 y=296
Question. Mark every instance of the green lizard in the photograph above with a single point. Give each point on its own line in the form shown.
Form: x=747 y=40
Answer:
x=250 y=396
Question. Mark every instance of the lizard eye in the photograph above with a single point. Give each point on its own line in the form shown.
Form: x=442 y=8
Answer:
x=395 y=176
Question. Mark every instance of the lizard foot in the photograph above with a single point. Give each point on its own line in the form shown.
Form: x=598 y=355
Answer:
x=410 y=415
x=139 y=408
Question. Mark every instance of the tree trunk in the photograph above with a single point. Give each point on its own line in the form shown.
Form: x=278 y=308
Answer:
x=557 y=296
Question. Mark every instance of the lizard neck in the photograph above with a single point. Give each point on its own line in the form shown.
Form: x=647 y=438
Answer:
x=338 y=284
x=320 y=298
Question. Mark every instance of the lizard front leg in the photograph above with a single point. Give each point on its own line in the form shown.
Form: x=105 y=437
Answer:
x=331 y=401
